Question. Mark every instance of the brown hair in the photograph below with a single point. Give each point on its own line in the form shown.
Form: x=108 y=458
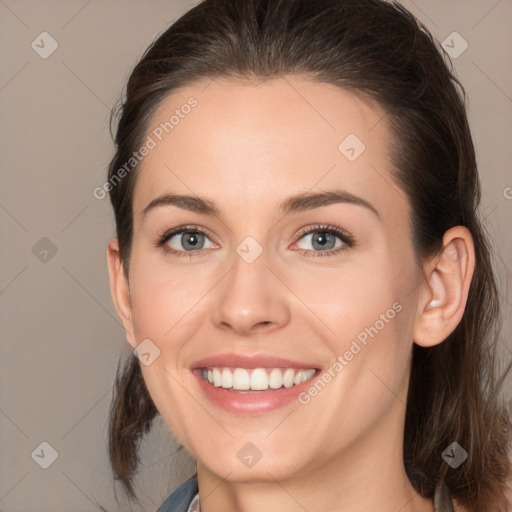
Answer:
x=377 y=49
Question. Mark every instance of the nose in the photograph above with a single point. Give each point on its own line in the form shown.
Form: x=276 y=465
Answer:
x=251 y=299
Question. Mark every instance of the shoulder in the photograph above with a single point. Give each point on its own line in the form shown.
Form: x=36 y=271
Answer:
x=180 y=499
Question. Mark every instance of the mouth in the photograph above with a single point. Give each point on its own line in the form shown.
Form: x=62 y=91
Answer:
x=255 y=379
x=252 y=384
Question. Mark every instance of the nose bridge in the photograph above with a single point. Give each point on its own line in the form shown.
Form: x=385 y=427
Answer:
x=250 y=295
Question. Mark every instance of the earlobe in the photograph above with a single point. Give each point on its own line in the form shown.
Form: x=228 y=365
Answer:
x=119 y=289
x=444 y=293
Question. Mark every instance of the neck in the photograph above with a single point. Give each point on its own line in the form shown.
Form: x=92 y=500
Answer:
x=369 y=475
x=314 y=492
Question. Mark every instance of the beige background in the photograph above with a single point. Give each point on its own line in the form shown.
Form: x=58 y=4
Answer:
x=61 y=338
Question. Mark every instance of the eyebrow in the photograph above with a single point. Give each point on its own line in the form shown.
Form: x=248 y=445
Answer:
x=298 y=203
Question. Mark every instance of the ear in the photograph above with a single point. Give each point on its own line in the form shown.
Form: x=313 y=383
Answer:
x=120 y=289
x=445 y=290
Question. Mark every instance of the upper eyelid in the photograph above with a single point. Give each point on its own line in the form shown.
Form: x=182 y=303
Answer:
x=323 y=227
x=184 y=229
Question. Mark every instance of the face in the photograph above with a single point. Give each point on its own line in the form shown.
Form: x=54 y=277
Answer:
x=250 y=282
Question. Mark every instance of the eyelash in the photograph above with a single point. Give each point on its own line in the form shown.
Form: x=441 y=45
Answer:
x=346 y=238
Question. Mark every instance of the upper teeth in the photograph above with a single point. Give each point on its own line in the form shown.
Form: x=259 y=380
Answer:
x=257 y=379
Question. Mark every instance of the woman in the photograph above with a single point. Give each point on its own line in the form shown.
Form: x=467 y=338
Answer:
x=299 y=266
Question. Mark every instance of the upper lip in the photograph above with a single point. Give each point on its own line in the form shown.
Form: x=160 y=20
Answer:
x=243 y=361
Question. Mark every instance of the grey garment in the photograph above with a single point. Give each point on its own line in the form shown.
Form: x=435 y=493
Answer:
x=442 y=498
x=182 y=497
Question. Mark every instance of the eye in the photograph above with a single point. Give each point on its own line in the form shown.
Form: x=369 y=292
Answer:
x=190 y=240
x=326 y=240
x=183 y=241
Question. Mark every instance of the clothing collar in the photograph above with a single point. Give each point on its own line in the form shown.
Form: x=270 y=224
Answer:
x=195 y=506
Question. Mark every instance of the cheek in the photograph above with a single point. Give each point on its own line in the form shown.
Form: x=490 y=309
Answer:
x=366 y=317
x=165 y=310
x=165 y=301
x=349 y=300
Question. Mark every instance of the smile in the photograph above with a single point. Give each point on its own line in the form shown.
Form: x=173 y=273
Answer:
x=256 y=379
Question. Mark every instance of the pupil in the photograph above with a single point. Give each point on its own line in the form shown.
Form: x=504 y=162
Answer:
x=322 y=238
x=190 y=240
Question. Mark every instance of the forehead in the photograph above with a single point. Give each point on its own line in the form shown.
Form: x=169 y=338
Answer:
x=262 y=141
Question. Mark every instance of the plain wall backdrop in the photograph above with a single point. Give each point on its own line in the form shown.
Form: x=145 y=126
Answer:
x=61 y=338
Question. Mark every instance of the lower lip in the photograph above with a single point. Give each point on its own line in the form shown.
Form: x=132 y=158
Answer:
x=251 y=402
